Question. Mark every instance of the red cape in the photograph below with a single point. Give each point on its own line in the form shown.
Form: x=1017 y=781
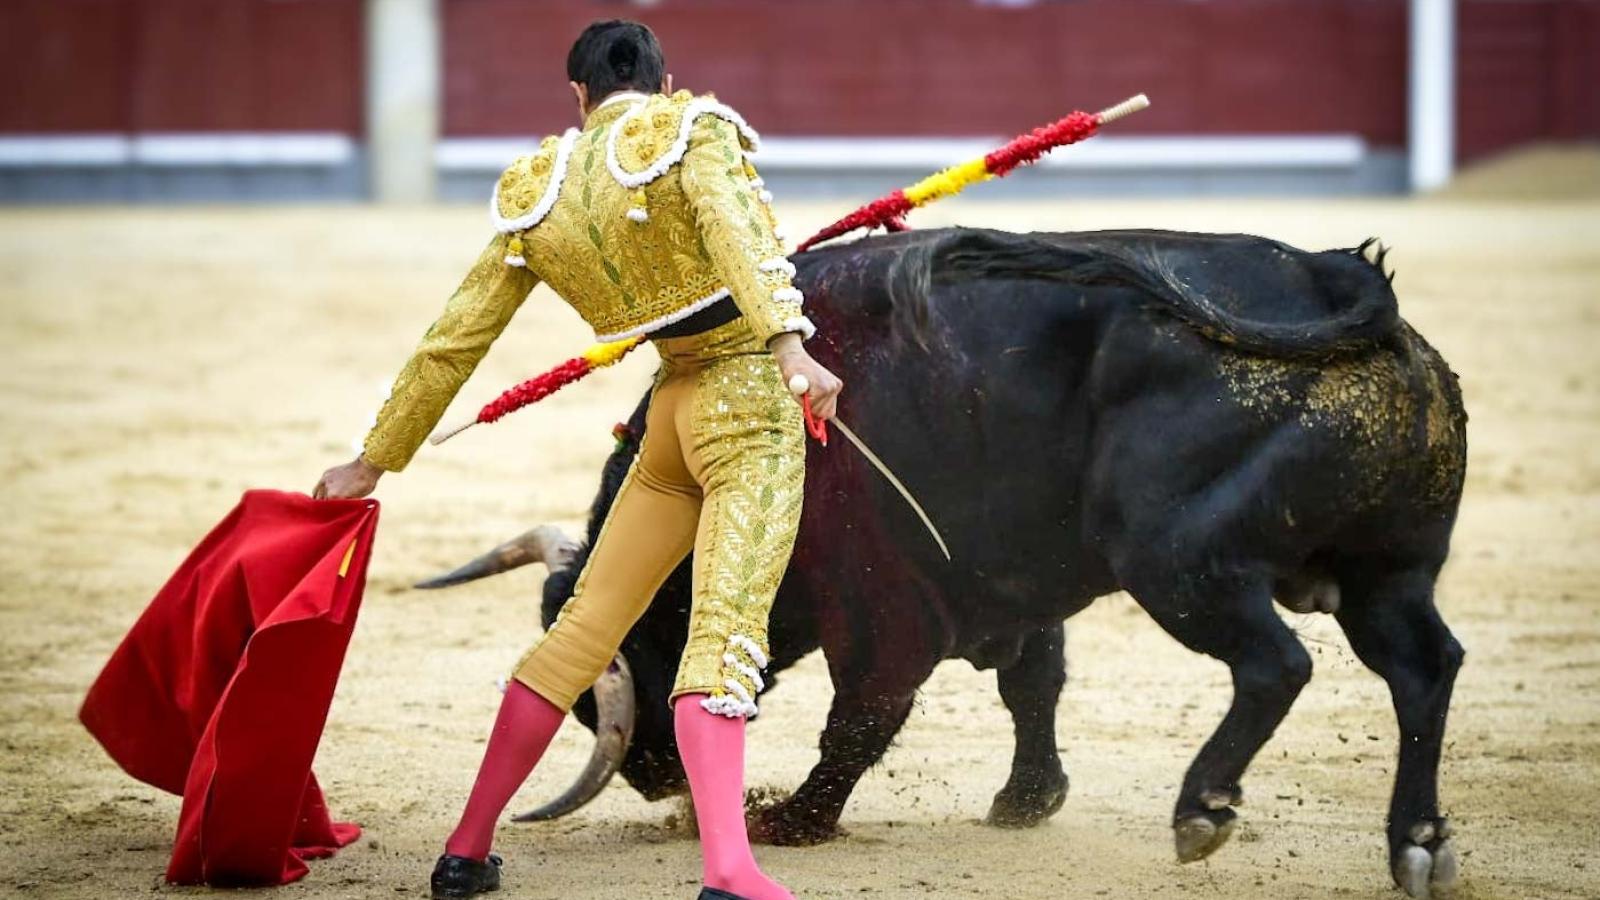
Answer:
x=221 y=689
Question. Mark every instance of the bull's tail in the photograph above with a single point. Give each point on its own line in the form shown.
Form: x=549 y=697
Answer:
x=1368 y=314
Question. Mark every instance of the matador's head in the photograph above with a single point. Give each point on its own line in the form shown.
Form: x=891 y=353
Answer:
x=612 y=56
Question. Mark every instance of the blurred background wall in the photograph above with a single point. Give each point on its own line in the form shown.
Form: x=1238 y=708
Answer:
x=139 y=100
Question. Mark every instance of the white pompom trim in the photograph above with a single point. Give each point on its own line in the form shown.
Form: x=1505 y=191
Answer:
x=750 y=648
x=666 y=320
x=758 y=181
x=738 y=701
x=730 y=707
x=750 y=672
x=639 y=215
x=693 y=110
x=801 y=324
x=518 y=261
x=806 y=328
x=788 y=295
x=778 y=264
x=765 y=196
x=736 y=688
x=558 y=174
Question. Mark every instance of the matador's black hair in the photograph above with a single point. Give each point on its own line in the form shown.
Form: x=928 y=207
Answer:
x=616 y=55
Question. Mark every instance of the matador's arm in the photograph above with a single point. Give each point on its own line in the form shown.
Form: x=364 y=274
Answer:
x=451 y=349
x=738 y=231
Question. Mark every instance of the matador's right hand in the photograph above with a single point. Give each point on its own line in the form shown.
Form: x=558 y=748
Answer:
x=824 y=385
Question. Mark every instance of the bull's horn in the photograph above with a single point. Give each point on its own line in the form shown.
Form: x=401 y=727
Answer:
x=546 y=543
x=613 y=698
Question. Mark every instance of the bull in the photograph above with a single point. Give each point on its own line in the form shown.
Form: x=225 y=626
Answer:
x=1209 y=422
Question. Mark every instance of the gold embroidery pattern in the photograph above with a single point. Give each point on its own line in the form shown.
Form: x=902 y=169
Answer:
x=737 y=228
x=740 y=443
x=524 y=182
x=645 y=137
x=750 y=437
x=706 y=227
x=475 y=315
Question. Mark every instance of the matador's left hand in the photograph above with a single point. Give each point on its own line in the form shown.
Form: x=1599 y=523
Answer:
x=354 y=479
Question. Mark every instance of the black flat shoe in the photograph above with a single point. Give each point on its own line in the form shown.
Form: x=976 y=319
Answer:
x=712 y=893
x=457 y=877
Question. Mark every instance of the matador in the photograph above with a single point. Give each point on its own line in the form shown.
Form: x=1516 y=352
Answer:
x=650 y=220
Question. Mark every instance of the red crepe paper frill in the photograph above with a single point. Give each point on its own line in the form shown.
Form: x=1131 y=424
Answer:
x=884 y=209
x=1029 y=147
x=535 y=389
x=889 y=211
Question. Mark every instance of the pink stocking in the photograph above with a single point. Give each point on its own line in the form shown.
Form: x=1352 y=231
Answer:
x=712 y=747
x=522 y=731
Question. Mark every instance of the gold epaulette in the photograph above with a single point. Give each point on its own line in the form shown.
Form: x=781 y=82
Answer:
x=652 y=137
x=528 y=187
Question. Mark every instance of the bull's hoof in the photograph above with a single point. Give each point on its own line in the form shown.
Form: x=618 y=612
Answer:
x=1027 y=800
x=1197 y=837
x=786 y=825
x=1425 y=864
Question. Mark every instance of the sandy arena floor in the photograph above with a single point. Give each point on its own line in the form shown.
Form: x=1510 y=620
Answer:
x=161 y=362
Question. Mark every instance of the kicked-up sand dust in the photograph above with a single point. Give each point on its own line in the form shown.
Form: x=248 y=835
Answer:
x=160 y=362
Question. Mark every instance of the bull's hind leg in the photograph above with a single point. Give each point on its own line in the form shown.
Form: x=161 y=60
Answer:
x=1031 y=689
x=1395 y=629
x=1230 y=618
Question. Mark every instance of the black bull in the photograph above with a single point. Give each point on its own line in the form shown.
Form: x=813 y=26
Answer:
x=1208 y=422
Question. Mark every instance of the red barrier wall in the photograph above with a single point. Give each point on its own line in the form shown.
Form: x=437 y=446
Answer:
x=64 y=63
x=909 y=67
x=1527 y=71
x=181 y=65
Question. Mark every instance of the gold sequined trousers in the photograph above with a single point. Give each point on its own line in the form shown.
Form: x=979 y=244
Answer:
x=721 y=470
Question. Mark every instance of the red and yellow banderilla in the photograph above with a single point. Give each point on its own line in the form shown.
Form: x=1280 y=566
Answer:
x=887 y=211
x=598 y=356
x=884 y=212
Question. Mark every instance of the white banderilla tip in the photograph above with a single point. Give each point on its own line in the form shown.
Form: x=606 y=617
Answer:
x=798 y=385
x=1124 y=109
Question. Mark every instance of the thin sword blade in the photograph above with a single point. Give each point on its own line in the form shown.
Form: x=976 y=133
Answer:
x=905 y=492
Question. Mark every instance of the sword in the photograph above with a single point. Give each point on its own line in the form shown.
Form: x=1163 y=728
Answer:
x=799 y=385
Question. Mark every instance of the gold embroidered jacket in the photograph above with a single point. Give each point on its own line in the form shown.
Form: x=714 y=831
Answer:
x=650 y=213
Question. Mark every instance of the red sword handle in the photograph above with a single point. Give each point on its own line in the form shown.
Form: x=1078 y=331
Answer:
x=799 y=385
x=815 y=426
